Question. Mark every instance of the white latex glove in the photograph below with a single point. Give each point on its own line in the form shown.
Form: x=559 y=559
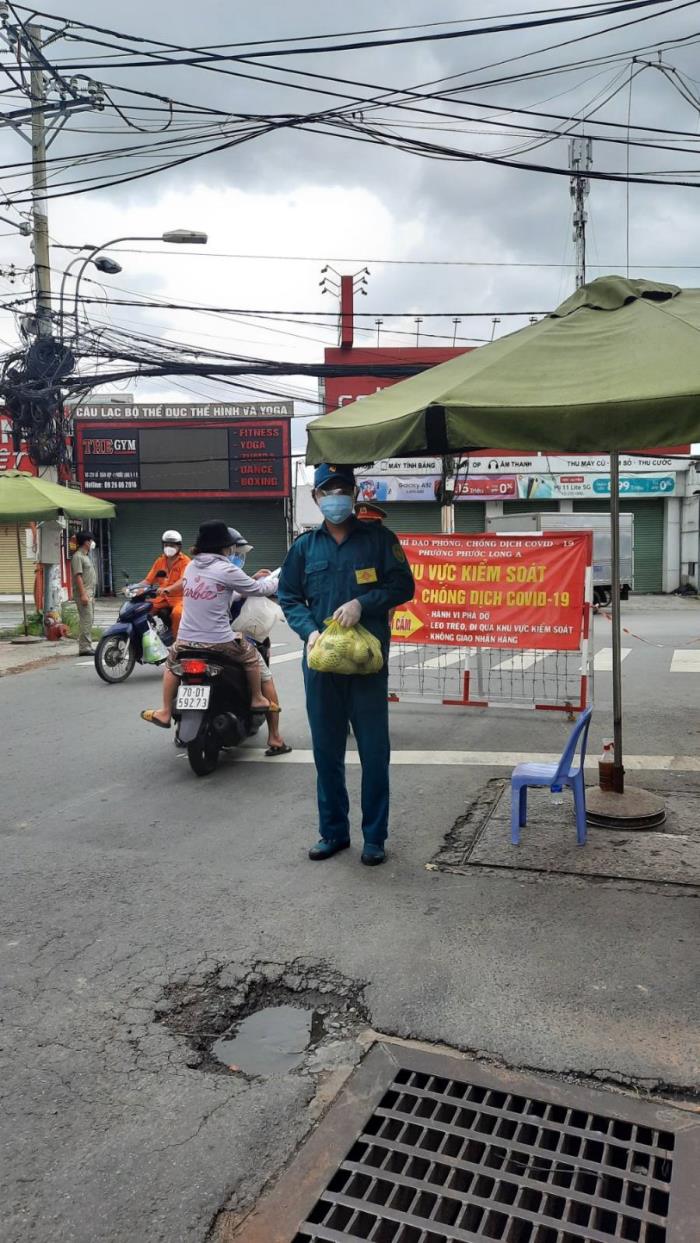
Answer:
x=348 y=614
x=312 y=640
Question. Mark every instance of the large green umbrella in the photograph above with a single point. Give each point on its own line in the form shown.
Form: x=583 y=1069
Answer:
x=615 y=367
x=25 y=498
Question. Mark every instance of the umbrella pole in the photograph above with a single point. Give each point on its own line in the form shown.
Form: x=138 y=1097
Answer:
x=21 y=578
x=618 y=768
x=620 y=808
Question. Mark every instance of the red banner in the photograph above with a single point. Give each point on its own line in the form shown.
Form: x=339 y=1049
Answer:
x=500 y=591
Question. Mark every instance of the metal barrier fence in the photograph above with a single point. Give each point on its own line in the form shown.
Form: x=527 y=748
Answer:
x=492 y=677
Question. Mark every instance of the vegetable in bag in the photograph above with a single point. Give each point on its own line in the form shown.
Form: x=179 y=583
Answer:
x=346 y=649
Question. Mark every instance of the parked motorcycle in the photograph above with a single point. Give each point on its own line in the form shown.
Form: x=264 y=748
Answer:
x=122 y=645
x=212 y=709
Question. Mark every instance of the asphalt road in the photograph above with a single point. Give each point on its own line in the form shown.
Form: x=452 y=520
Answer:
x=124 y=874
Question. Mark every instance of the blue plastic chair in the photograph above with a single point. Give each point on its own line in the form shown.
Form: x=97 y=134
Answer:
x=556 y=776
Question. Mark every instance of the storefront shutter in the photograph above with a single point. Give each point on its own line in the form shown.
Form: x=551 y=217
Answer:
x=9 y=565
x=470 y=516
x=406 y=518
x=137 y=529
x=648 y=538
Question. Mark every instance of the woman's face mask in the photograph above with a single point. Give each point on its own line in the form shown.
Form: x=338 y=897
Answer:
x=170 y=550
x=237 y=559
x=336 y=508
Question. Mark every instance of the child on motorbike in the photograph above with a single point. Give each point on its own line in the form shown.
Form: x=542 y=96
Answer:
x=209 y=584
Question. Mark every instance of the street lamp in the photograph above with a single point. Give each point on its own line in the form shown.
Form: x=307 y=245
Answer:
x=103 y=264
x=177 y=237
x=24 y=227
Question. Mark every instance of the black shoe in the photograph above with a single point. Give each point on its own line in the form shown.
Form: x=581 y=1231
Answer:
x=325 y=850
x=372 y=856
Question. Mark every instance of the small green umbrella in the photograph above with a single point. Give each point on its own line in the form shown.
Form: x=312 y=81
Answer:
x=615 y=367
x=25 y=498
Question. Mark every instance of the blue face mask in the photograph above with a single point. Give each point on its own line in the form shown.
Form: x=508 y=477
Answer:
x=237 y=559
x=336 y=509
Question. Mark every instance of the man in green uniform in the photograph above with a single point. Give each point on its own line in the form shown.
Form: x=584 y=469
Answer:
x=84 y=582
x=354 y=572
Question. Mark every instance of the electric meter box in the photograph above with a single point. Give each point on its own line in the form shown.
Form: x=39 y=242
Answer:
x=49 y=543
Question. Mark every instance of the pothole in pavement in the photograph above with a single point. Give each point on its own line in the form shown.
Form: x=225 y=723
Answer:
x=266 y=1020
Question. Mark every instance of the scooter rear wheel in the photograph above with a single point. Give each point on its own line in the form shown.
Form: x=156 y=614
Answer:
x=203 y=754
x=114 y=658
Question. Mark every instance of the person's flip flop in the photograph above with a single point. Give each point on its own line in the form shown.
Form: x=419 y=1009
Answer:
x=148 y=715
x=283 y=750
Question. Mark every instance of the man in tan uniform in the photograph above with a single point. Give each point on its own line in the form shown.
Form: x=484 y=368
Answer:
x=84 y=582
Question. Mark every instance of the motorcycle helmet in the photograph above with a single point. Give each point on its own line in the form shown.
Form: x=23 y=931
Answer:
x=239 y=542
x=171 y=537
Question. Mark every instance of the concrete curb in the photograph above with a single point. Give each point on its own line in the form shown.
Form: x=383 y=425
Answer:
x=14 y=660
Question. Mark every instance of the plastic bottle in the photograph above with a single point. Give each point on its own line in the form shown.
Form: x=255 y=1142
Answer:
x=557 y=797
x=606 y=764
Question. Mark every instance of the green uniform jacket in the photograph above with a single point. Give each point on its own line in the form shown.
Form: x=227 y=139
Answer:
x=319 y=575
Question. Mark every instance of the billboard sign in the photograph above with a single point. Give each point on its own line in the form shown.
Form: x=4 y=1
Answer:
x=211 y=459
x=10 y=458
x=409 y=487
x=215 y=410
x=340 y=391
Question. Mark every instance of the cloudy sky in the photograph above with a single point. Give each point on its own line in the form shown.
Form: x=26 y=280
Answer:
x=438 y=236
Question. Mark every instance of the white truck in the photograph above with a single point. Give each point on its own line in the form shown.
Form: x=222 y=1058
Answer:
x=599 y=524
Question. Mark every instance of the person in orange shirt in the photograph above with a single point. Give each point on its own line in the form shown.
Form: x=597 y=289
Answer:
x=173 y=561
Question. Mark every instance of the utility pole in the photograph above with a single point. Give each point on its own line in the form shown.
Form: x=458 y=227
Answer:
x=40 y=218
x=447 y=495
x=53 y=99
x=580 y=162
x=42 y=422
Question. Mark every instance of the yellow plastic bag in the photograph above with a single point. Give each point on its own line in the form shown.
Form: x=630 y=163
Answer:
x=346 y=649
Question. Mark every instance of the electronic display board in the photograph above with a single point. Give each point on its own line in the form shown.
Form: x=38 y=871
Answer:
x=151 y=460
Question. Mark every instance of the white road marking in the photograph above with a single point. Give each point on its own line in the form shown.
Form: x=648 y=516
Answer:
x=522 y=661
x=449 y=658
x=442 y=660
x=480 y=759
x=437 y=662
x=280 y=660
x=685 y=662
x=602 y=662
x=274 y=660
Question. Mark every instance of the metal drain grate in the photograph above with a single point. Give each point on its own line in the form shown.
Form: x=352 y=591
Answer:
x=441 y=1160
x=422 y=1147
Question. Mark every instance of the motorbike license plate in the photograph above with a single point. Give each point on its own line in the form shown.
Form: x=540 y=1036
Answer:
x=192 y=698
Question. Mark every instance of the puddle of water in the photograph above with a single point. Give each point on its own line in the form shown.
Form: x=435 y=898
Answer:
x=270 y=1042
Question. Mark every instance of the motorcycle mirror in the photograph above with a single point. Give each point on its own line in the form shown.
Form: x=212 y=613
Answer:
x=161 y=574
